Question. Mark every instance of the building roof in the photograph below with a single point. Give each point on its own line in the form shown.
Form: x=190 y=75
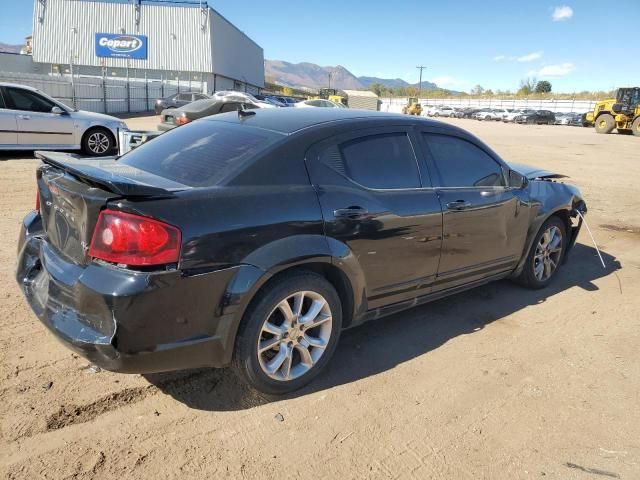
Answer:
x=360 y=93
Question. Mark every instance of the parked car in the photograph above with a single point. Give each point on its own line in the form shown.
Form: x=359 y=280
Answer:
x=513 y=113
x=491 y=114
x=218 y=103
x=177 y=100
x=579 y=120
x=270 y=99
x=538 y=117
x=443 y=111
x=253 y=239
x=469 y=112
x=31 y=119
x=319 y=103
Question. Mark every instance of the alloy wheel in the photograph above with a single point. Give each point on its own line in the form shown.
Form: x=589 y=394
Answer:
x=548 y=251
x=98 y=143
x=294 y=336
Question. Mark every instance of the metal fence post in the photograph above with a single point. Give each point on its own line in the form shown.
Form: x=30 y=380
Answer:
x=161 y=85
x=104 y=91
x=146 y=91
x=128 y=91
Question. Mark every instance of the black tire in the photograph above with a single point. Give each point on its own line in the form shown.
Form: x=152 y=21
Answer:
x=98 y=142
x=527 y=277
x=635 y=127
x=246 y=361
x=605 y=123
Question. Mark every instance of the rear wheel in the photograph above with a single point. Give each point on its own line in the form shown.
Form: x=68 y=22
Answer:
x=98 y=141
x=635 y=127
x=289 y=333
x=605 y=123
x=545 y=255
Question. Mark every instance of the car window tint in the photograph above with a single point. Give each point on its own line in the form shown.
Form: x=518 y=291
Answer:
x=1 y=100
x=184 y=97
x=28 y=100
x=463 y=164
x=201 y=154
x=200 y=96
x=381 y=161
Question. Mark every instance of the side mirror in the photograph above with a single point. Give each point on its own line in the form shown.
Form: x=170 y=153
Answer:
x=58 y=111
x=517 y=180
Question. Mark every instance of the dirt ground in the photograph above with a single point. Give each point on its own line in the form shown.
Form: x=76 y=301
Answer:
x=496 y=383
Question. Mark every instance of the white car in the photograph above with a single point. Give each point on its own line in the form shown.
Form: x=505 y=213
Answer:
x=443 y=111
x=491 y=114
x=32 y=120
x=318 y=103
x=513 y=113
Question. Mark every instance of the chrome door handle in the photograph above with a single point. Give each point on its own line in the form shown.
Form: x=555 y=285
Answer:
x=24 y=117
x=458 y=205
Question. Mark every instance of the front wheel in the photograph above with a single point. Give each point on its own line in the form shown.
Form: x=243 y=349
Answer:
x=97 y=142
x=289 y=333
x=605 y=123
x=545 y=255
x=635 y=127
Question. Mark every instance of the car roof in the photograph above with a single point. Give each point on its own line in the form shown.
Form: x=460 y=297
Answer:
x=291 y=120
x=17 y=85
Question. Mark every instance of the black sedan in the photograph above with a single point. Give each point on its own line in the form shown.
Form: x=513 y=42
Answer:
x=536 y=117
x=229 y=102
x=177 y=100
x=254 y=238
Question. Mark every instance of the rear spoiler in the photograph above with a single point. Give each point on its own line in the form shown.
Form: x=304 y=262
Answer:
x=107 y=173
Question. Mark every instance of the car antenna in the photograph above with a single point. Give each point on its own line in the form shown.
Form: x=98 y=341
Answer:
x=242 y=112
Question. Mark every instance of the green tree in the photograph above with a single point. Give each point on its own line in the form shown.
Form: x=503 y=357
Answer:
x=527 y=86
x=543 y=86
x=488 y=93
x=377 y=88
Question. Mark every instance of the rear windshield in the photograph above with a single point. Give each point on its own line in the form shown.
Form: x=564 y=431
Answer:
x=201 y=154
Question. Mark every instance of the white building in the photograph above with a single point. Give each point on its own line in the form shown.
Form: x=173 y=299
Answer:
x=169 y=40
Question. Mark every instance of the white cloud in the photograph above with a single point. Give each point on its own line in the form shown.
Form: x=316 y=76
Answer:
x=564 y=12
x=447 y=81
x=557 y=70
x=530 y=57
x=497 y=58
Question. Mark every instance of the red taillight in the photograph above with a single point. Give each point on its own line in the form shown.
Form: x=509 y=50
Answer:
x=37 y=199
x=182 y=119
x=134 y=240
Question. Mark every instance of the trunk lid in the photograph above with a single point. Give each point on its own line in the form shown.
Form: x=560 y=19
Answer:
x=73 y=191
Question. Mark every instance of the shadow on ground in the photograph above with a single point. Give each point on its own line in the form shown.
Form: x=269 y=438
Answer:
x=380 y=345
x=6 y=155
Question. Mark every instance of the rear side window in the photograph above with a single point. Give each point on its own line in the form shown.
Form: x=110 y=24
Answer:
x=27 y=100
x=383 y=161
x=463 y=164
x=201 y=154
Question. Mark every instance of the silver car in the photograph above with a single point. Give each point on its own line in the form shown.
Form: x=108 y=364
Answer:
x=30 y=120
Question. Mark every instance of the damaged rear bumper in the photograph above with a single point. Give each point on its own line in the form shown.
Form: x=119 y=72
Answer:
x=122 y=320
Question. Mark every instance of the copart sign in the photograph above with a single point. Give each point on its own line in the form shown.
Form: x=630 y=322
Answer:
x=121 y=45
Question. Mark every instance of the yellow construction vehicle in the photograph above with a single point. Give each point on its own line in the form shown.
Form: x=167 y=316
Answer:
x=412 y=107
x=622 y=112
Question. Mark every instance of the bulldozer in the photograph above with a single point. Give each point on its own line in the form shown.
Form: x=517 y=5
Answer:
x=621 y=113
x=412 y=107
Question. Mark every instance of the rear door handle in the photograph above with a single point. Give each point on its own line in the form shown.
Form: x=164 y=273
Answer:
x=458 y=205
x=350 y=212
x=24 y=117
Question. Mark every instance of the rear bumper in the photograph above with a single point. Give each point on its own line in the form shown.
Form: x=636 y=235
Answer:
x=127 y=321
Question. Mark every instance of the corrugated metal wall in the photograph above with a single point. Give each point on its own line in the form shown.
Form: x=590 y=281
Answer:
x=175 y=39
x=180 y=39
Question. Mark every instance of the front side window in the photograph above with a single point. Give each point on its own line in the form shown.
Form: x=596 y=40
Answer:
x=27 y=100
x=383 y=161
x=462 y=164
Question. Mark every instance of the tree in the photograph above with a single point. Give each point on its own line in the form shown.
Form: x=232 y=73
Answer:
x=543 y=86
x=488 y=93
x=527 y=86
x=477 y=90
x=377 y=88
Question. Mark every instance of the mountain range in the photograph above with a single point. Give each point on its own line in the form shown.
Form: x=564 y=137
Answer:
x=314 y=76
x=5 y=47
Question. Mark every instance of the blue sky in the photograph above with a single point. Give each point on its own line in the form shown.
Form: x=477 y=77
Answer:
x=494 y=43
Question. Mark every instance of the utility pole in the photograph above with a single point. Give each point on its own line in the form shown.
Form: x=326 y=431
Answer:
x=330 y=80
x=420 y=67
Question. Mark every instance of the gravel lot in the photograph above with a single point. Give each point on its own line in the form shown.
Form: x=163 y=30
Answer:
x=496 y=383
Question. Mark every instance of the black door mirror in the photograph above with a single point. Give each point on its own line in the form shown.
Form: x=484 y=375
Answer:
x=517 y=180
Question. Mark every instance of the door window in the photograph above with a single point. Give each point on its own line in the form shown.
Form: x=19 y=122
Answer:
x=184 y=97
x=27 y=100
x=229 y=107
x=1 y=100
x=463 y=164
x=383 y=161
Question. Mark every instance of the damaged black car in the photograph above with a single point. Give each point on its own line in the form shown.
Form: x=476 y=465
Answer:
x=254 y=238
